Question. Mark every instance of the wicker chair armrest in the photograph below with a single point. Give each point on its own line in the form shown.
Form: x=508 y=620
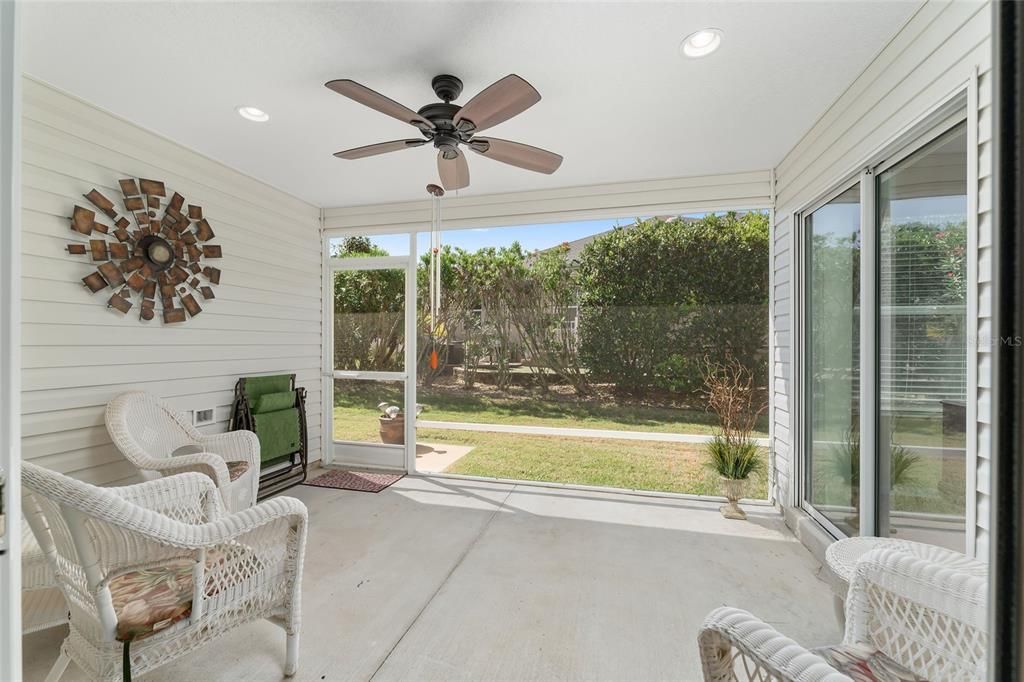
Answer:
x=183 y=496
x=113 y=509
x=183 y=422
x=233 y=525
x=953 y=589
x=224 y=529
x=207 y=463
x=730 y=636
x=234 y=446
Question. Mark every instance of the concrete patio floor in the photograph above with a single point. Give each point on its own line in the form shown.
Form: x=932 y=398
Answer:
x=448 y=579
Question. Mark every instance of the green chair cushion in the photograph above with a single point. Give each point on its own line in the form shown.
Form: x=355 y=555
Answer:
x=257 y=386
x=272 y=402
x=278 y=433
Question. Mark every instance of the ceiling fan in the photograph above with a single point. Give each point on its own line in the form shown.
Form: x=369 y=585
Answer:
x=448 y=125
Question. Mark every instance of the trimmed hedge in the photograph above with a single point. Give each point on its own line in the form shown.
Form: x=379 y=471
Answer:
x=662 y=295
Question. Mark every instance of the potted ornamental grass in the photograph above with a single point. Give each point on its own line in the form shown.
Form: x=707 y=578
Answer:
x=733 y=454
x=735 y=462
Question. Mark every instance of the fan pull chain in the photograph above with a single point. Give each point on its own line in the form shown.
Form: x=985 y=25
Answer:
x=436 y=193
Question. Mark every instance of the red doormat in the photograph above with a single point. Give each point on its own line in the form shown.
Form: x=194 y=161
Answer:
x=363 y=481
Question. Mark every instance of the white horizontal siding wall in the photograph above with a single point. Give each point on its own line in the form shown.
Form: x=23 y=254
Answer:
x=983 y=304
x=936 y=54
x=735 y=191
x=77 y=354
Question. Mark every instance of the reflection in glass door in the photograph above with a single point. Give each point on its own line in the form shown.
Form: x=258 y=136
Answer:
x=369 y=360
x=832 y=246
x=922 y=351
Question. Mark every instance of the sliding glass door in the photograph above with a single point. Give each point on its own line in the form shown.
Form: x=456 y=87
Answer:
x=832 y=343
x=922 y=347
x=889 y=360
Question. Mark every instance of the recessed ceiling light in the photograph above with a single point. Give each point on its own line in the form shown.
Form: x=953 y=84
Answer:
x=701 y=43
x=253 y=114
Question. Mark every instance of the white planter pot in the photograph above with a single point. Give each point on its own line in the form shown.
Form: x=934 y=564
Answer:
x=733 y=489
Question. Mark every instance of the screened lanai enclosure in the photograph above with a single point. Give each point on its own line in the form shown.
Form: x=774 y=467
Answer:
x=571 y=353
x=624 y=340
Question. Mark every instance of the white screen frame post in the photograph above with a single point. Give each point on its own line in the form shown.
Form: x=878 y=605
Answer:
x=407 y=264
x=10 y=340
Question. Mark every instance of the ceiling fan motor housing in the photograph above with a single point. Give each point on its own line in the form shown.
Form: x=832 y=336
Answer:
x=440 y=114
x=444 y=135
x=446 y=87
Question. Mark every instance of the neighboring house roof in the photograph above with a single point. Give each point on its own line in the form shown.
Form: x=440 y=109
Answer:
x=574 y=249
x=576 y=246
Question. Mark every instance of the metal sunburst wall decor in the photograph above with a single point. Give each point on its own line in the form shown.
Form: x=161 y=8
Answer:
x=146 y=255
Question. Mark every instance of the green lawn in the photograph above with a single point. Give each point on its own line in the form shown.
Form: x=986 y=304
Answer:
x=484 y=406
x=643 y=465
x=936 y=484
x=667 y=467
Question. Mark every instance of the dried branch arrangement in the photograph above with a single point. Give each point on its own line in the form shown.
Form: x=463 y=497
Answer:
x=154 y=257
x=734 y=396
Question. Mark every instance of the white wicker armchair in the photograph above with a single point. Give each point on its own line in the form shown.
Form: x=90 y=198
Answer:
x=147 y=431
x=42 y=604
x=907 y=618
x=160 y=565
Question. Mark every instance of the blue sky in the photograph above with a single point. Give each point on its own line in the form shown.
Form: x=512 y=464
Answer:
x=531 y=237
x=840 y=219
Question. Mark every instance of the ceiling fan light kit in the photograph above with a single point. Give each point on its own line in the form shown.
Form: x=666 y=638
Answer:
x=447 y=125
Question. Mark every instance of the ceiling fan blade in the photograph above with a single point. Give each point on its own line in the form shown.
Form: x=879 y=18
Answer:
x=454 y=171
x=497 y=102
x=517 y=154
x=375 y=100
x=379 y=148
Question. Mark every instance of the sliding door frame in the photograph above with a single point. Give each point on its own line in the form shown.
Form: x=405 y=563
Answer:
x=10 y=340
x=952 y=112
x=801 y=392
x=875 y=497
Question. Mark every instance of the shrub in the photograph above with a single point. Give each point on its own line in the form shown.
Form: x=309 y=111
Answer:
x=659 y=295
x=436 y=335
x=369 y=319
x=539 y=300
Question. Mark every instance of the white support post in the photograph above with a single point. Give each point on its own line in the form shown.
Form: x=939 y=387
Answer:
x=10 y=341
x=410 y=358
x=327 y=341
x=868 y=356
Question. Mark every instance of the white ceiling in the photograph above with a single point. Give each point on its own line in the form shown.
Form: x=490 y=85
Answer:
x=619 y=103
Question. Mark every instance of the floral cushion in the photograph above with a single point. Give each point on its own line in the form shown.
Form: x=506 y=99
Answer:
x=866 y=664
x=149 y=600
x=236 y=469
x=152 y=599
